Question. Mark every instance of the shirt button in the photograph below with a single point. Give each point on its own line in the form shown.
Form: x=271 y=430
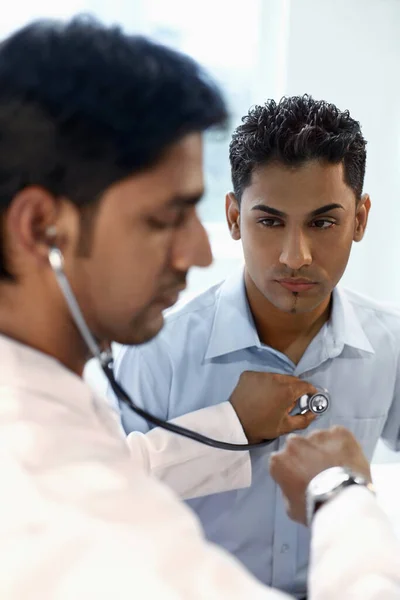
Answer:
x=284 y=548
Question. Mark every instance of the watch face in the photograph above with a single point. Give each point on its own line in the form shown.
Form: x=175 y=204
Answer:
x=328 y=480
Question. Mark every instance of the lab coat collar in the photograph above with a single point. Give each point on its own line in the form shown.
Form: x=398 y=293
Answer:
x=24 y=367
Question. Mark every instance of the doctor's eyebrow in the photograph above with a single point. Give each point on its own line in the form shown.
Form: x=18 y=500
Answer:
x=189 y=200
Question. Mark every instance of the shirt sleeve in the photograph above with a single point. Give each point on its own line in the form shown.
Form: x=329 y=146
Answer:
x=192 y=469
x=354 y=551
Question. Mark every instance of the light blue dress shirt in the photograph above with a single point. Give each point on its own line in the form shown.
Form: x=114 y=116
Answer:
x=196 y=362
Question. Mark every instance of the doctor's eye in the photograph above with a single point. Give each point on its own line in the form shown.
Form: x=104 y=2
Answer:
x=172 y=221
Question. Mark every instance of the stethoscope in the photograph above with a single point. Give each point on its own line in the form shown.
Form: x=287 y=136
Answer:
x=317 y=403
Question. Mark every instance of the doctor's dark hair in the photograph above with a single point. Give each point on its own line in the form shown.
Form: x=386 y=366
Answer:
x=83 y=106
x=293 y=131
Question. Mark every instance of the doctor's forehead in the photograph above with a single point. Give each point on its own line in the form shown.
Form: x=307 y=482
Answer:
x=175 y=182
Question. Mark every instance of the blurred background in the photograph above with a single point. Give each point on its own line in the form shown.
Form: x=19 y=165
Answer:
x=343 y=51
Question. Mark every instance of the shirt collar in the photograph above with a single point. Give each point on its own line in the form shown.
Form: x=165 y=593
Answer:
x=233 y=327
x=344 y=325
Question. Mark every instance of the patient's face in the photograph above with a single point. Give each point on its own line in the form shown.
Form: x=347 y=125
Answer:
x=297 y=226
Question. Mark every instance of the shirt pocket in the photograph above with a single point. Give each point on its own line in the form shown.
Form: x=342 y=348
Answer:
x=367 y=430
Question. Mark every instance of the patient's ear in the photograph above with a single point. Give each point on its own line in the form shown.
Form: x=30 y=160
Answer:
x=232 y=210
x=362 y=212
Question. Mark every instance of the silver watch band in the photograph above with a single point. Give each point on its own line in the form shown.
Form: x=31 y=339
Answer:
x=341 y=479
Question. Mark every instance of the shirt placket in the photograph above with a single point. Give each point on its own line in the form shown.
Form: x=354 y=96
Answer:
x=285 y=550
x=284 y=560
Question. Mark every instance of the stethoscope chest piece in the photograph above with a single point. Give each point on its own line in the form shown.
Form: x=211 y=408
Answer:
x=316 y=403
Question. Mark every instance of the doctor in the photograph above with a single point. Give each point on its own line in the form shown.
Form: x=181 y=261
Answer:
x=100 y=156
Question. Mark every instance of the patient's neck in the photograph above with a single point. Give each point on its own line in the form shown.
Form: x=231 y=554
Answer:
x=288 y=332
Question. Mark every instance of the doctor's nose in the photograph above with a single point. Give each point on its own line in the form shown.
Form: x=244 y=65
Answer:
x=192 y=246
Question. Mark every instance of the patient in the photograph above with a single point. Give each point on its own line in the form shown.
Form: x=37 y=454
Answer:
x=297 y=206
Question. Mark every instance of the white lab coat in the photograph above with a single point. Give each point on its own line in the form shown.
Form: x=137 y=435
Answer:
x=80 y=519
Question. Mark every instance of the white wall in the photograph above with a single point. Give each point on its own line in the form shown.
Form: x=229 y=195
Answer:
x=18 y=13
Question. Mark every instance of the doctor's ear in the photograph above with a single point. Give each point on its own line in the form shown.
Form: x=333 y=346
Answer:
x=232 y=210
x=362 y=212
x=31 y=222
x=51 y=235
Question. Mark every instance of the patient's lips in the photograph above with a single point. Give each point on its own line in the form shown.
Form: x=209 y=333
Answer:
x=295 y=284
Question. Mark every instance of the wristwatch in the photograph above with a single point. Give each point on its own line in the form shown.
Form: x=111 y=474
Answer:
x=328 y=484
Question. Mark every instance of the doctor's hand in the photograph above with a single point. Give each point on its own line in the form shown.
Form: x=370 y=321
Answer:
x=305 y=457
x=263 y=401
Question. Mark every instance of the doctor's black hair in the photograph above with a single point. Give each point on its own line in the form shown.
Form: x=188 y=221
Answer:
x=293 y=131
x=83 y=106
